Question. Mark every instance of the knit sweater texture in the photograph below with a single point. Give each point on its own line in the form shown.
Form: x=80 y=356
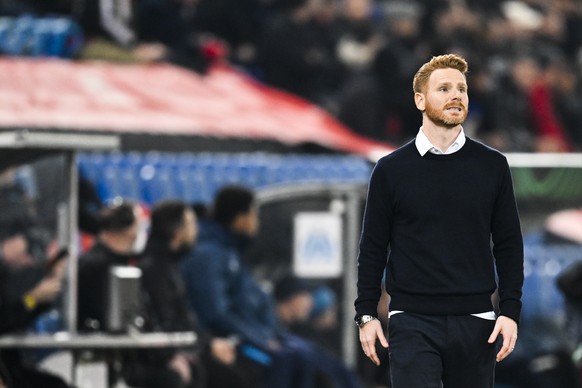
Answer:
x=445 y=231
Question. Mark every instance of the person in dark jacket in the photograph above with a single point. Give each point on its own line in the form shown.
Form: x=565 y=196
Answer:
x=215 y=363
x=17 y=312
x=119 y=226
x=230 y=301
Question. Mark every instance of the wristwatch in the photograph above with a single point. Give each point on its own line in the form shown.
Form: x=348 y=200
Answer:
x=363 y=319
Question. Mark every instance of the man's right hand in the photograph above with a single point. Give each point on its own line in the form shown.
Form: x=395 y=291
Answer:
x=369 y=332
x=181 y=365
x=224 y=350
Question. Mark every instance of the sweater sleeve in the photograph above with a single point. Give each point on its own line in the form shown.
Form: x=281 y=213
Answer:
x=508 y=248
x=374 y=242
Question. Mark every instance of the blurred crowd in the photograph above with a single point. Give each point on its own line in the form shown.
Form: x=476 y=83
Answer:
x=194 y=277
x=356 y=58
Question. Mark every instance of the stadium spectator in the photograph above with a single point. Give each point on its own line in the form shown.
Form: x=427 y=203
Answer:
x=353 y=58
x=567 y=98
x=308 y=311
x=299 y=304
x=215 y=362
x=230 y=301
x=238 y=23
x=373 y=104
x=18 y=310
x=119 y=227
x=294 y=55
x=359 y=104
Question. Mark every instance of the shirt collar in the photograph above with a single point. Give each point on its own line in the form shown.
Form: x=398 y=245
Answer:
x=423 y=145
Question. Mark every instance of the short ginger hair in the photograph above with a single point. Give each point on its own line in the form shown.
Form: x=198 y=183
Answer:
x=447 y=61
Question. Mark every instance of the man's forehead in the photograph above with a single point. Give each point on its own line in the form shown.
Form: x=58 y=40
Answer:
x=450 y=76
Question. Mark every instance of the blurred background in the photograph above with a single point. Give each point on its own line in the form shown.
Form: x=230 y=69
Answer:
x=295 y=99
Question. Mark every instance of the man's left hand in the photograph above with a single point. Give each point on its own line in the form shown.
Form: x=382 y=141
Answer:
x=507 y=327
x=224 y=350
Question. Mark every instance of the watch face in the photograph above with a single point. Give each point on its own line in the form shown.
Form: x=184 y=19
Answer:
x=363 y=319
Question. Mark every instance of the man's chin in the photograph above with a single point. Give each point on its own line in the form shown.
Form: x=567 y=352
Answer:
x=449 y=124
x=452 y=124
x=454 y=121
x=446 y=121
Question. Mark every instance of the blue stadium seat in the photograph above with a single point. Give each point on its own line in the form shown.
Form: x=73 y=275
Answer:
x=117 y=180
x=154 y=175
x=157 y=183
x=544 y=262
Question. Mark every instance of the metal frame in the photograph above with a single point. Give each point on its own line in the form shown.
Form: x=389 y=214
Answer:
x=32 y=142
x=556 y=159
x=352 y=195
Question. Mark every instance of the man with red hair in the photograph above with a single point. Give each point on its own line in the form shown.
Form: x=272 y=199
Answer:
x=441 y=223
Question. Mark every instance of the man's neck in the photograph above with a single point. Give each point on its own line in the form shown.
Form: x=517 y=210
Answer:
x=441 y=137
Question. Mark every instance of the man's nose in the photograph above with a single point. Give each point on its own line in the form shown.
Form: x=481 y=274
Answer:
x=456 y=95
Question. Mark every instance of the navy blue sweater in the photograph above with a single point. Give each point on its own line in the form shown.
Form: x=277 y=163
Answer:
x=443 y=226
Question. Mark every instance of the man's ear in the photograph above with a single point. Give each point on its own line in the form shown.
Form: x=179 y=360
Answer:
x=237 y=222
x=176 y=240
x=419 y=100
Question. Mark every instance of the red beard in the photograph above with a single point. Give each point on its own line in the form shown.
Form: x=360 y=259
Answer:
x=439 y=117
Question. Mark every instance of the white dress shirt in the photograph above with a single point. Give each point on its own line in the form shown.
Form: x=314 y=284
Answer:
x=423 y=145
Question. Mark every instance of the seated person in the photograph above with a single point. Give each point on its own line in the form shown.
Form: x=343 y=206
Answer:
x=26 y=268
x=14 y=248
x=299 y=304
x=214 y=362
x=17 y=312
x=117 y=243
x=229 y=300
x=310 y=312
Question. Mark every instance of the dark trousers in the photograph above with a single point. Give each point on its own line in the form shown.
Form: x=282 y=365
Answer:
x=330 y=368
x=301 y=364
x=207 y=372
x=430 y=351
x=15 y=374
x=244 y=373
